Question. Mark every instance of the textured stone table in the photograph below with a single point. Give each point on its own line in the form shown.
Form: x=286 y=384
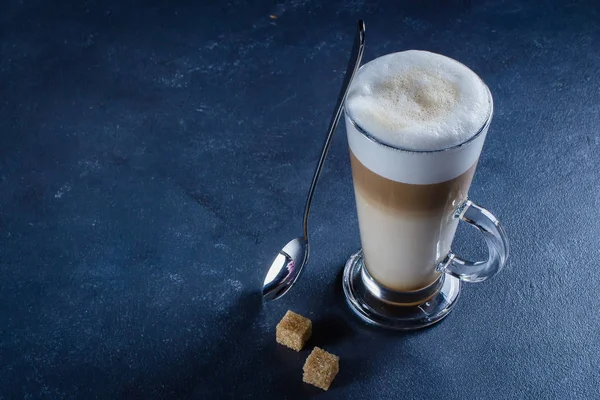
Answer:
x=150 y=152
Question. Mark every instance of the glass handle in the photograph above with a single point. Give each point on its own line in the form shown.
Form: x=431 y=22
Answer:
x=495 y=238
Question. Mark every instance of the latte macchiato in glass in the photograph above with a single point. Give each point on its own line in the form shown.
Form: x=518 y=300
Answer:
x=416 y=123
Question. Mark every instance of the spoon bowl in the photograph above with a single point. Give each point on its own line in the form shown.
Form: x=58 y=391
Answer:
x=284 y=269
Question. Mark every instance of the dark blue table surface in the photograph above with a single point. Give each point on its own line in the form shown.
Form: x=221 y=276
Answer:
x=150 y=152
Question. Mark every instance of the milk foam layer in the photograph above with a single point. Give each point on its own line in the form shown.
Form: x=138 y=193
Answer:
x=418 y=100
x=426 y=163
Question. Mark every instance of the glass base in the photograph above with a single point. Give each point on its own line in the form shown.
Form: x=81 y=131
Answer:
x=380 y=306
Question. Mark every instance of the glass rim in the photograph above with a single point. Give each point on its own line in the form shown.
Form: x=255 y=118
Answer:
x=470 y=139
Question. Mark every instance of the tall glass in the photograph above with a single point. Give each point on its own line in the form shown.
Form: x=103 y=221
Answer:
x=406 y=276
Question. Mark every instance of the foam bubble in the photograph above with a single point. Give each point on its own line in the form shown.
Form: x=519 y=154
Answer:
x=418 y=100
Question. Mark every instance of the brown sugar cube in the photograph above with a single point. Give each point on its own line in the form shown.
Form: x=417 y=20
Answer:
x=320 y=368
x=293 y=330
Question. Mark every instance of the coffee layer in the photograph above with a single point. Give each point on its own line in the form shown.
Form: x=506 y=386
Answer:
x=398 y=197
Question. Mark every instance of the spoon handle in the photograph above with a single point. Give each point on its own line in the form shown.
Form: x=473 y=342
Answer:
x=356 y=56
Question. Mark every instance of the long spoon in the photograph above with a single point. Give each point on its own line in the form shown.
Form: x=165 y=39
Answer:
x=290 y=261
